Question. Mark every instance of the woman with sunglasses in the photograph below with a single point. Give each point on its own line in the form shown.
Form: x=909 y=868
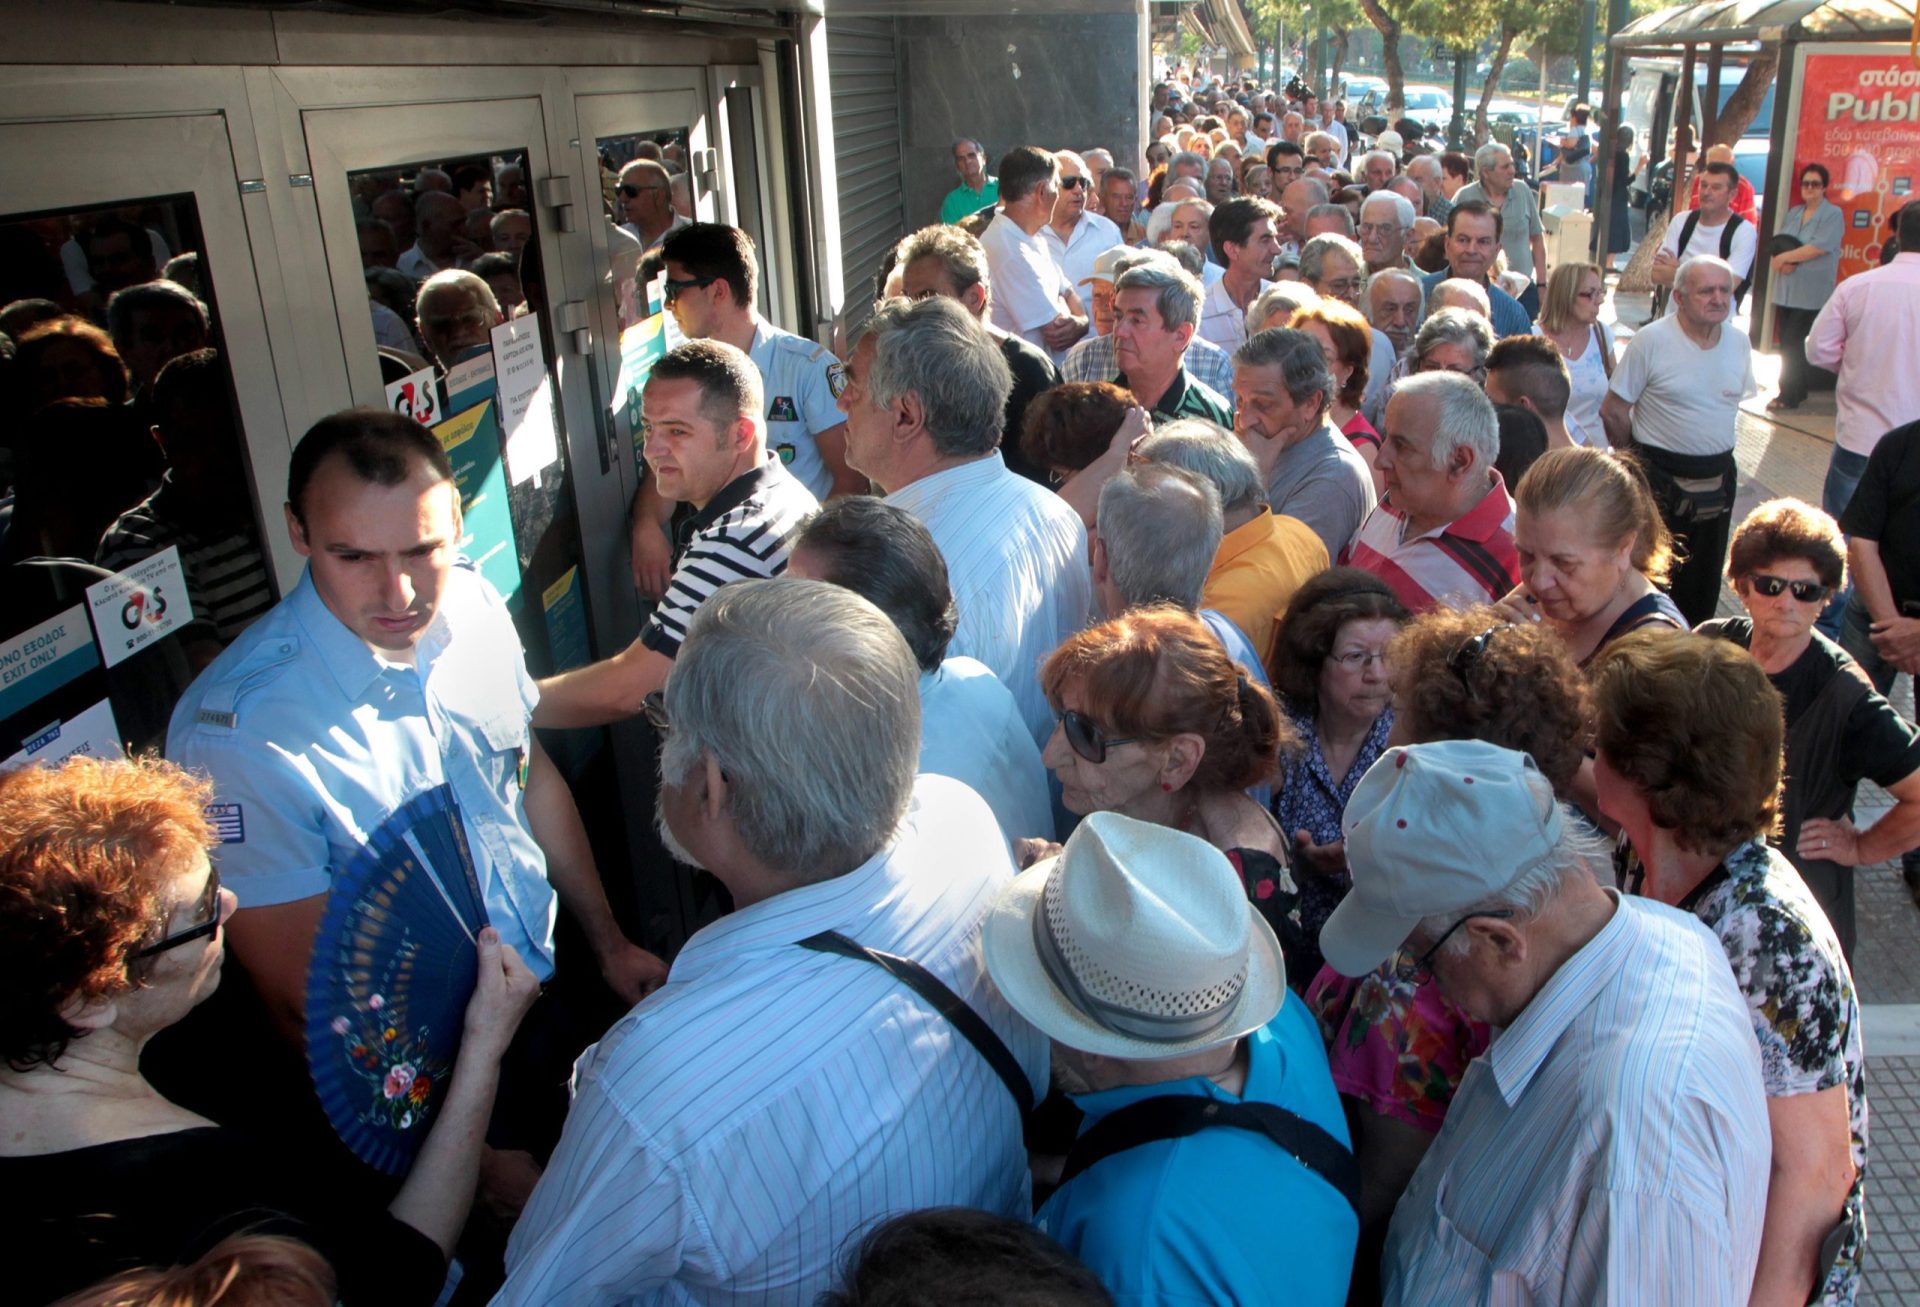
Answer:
x=1570 y=318
x=1689 y=743
x=1157 y=723
x=110 y=931
x=1397 y=1047
x=1329 y=667
x=1803 y=279
x=1787 y=558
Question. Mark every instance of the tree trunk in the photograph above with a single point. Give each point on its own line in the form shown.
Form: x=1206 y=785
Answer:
x=1480 y=129
x=1744 y=103
x=1389 y=28
x=1340 y=35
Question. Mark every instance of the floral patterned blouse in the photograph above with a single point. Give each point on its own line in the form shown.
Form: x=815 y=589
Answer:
x=1310 y=799
x=1402 y=1049
x=1787 y=961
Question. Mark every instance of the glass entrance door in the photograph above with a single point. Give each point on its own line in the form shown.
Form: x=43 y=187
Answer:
x=147 y=432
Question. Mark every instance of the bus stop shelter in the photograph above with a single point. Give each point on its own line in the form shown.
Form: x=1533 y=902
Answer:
x=1708 y=33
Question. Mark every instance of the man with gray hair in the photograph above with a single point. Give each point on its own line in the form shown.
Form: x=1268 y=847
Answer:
x=1156 y=312
x=1522 y=234
x=1032 y=297
x=941 y=260
x=1612 y=1144
x=976 y=190
x=1384 y=220
x=1394 y=303
x=457 y=312
x=1263 y=557
x=646 y=202
x=1334 y=266
x=1096 y=359
x=800 y=798
x=926 y=390
x=1282 y=390
x=1675 y=398
x=1377 y=168
x=1329 y=220
x=1076 y=234
x=1425 y=171
x=1444 y=532
x=1158 y=530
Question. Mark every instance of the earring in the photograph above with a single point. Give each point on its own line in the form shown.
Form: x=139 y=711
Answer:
x=1167 y=786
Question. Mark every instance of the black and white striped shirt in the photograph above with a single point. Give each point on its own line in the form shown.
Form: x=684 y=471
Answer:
x=229 y=582
x=741 y=535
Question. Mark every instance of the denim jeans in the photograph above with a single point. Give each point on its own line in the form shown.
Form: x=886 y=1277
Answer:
x=1844 y=470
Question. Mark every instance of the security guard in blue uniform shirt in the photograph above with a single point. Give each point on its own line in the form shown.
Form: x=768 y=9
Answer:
x=712 y=278
x=390 y=669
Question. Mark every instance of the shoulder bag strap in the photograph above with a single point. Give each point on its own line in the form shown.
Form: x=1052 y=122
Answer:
x=1175 y=1116
x=944 y=1001
x=1605 y=347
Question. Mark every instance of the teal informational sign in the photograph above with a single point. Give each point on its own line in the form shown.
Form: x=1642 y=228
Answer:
x=566 y=615
x=472 y=441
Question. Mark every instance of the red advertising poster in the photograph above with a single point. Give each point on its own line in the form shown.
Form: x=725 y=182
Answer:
x=1860 y=116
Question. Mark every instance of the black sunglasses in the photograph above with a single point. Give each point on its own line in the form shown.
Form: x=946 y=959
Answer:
x=209 y=904
x=1463 y=658
x=1074 y=183
x=1807 y=592
x=674 y=288
x=654 y=709
x=1418 y=970
x=1085 y=739
x=634 y=192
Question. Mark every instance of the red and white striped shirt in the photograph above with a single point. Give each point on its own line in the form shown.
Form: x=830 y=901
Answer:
x=1470 y=560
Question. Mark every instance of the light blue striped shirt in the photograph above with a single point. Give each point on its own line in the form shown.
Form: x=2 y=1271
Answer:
x=733 y=1133
x=1612 y=1146
x=1017 y=561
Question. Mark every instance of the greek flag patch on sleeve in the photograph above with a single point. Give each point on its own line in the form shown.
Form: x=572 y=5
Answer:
x=228 y=822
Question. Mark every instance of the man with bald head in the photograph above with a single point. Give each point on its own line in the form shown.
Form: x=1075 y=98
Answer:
x=438 y=219
x=1296 y=202
x=646 y=201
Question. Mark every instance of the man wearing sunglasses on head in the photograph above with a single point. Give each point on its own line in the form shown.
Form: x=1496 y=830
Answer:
x=646 y=201
x=713 y=278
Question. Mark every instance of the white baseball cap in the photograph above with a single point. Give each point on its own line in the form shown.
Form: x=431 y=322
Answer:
x=1433 y=829
x=1390 y=141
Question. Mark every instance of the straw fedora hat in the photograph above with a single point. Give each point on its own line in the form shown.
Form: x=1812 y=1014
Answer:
x=1136 y=942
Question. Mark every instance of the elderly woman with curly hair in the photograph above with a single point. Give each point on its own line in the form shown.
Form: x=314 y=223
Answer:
x=1329 y=667
x=1157 y=723
x=1397 y=1046
x=1787 y=557
x=112 y=929
x=1690 y=738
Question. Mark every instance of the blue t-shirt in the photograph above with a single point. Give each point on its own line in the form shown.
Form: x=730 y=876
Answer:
x=1222 y=1216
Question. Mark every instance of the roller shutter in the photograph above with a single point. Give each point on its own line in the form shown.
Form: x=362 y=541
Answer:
x=863 y=63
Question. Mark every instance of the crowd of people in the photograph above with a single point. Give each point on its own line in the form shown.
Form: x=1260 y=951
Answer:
x=1206 y=720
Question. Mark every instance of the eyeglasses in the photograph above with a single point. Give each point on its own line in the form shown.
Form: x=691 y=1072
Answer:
x=1417 y=971
x=1469 y=653
x=635 y=192
x=1344 y=286
x=1354 y=660
x=1380 y=229
x=1085 y=739
x=1591 y=295
x=1074 y=183
x=1807 y=592
x=654 y=709
x=1478 y=372
x=675 y=288
x=1814 y=182
x=209 y=908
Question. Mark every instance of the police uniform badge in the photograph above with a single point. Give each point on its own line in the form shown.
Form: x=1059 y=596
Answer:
x=782 y=410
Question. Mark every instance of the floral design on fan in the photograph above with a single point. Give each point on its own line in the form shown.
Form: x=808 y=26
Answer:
x=397 y=1066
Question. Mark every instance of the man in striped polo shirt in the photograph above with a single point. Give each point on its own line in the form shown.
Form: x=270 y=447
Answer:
x=706 y=447
x=1444 y=532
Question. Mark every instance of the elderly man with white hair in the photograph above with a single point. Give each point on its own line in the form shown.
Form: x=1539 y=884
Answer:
x=1384 y=220
x=1263 y=556
x=1202 y=1081
x=1425 y=171
x=1076 y=234
x=1444 y=532
x=1675 y=396
x=926 y=390
x=1334 y=266
x=1612 y=1143
x=1277 y=304
x=1377 y=168
x=1522 y=234
x=717 y=1148
x=457 y=312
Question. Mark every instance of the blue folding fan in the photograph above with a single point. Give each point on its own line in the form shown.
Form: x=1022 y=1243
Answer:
x=393 y=966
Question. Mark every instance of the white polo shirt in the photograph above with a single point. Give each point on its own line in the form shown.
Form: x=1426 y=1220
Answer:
x=1092 y=236
x=1221 y=320
x=1027 y=283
